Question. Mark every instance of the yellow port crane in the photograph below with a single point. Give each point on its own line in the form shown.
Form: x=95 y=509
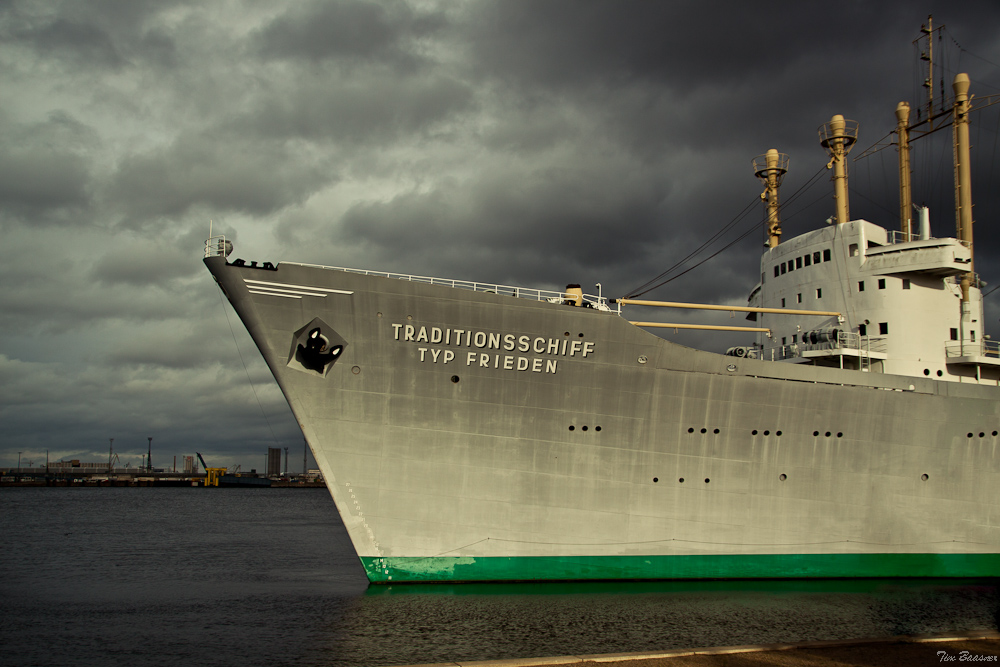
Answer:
x=212 y=475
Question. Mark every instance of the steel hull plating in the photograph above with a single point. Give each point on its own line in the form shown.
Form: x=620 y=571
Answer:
x=473 y=436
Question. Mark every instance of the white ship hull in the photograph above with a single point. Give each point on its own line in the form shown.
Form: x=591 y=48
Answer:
x=466 y=435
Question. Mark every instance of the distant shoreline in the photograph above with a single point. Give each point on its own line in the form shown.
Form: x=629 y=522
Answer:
x=151 y=483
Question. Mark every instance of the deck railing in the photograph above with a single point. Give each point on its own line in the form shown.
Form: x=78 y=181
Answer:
x=218 y=246
x=844 y=340
x=966 y=348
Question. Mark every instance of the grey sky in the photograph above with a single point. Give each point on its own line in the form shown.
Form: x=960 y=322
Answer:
x=534 y=143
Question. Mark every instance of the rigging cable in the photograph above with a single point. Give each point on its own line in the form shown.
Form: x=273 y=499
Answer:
x=746 y=209
x=649 y=286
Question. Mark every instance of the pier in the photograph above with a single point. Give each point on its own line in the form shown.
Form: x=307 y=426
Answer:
x=88 y=477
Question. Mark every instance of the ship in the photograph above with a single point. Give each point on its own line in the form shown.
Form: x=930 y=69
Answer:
x=481 y=432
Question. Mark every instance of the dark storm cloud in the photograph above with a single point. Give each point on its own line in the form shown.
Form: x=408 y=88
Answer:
x=227 y=173
x=351 y=32
x=74 y=42
x=108 y=35
x=372 y=108
x=44 y=171
x=550 y=218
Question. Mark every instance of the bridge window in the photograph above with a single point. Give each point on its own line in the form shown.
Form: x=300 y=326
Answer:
x=954 y=333
x=862 y=329
x=777 y=270
x=815 y=258
x=861 y=286
x=883 y=328
x=826 y=255
x=854 y=250
x=798 y=298
x=819 y=292
x=798 y=262
x=782 y=268
x=808 y=259
x=881 y=283
x=906 y=283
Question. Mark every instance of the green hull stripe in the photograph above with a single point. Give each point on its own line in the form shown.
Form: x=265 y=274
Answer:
x=770 y=566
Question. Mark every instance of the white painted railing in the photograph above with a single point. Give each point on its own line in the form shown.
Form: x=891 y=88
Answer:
x=965 y=348
x=218 y=246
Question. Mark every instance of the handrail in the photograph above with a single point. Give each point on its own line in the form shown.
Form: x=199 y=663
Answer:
x=594 y=301
x=966 y=348
x=219 y=246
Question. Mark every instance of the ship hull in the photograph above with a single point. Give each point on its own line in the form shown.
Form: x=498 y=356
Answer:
x=470 y=436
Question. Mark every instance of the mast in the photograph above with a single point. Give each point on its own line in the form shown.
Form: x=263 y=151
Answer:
x=770 y=168
x=837 y=137
x=928 y=56
x=963 y=175
x=905 y=171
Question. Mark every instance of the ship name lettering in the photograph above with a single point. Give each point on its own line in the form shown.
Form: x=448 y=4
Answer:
x=446 y=337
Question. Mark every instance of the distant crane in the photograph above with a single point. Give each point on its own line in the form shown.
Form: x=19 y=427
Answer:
x=212 y=475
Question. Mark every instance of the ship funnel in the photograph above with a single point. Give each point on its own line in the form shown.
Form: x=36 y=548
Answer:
x=837 y=137
x=770 y=168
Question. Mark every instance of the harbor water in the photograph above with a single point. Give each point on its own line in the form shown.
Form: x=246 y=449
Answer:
x=181 y=576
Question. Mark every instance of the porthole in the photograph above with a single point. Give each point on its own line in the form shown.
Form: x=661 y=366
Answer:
x=583 y=428
x=840 y=435
x=704 y=430
x=681 y=480
x=982 y=435
x=572 y=428
x=778 y=433
x=378 y=314
x=927 y=371
x=716 y=431
x=767 y=433
x=655 y=480
x=454 y=378
x=707 y=480
x=597 y=428
x=828 y=434
x=782 y=477
x=690 y=430
x=356 y=369
x=924 y=477
x=565 y=333
x=939 y=373
x=581 y=335
x=968 y=435
x=753 y=432
x=815 y=433
x=994 y=434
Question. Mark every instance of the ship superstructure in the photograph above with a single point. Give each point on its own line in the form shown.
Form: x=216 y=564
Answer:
x=484 y=432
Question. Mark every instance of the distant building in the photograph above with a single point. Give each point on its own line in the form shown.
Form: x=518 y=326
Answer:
x=273 y=461
x=190 y=467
